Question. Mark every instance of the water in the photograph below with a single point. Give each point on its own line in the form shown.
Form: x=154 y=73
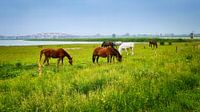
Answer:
x=32 y=43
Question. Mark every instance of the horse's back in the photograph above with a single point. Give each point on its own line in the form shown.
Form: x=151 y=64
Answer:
x=54 y=53
x=101 y=51
x=96 y=50
x=47 y=51
x=118 y=43
x=60 y=50
x=127 y=44
x=152 y=42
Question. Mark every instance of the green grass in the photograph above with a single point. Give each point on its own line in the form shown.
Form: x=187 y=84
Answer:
x=163 y=79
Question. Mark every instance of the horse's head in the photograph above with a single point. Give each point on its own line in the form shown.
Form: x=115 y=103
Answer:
x=119 y=58
x=113 y=44
x=116 y=53
x=70 y=61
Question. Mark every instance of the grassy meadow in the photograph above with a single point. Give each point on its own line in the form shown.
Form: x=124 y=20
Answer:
x=163 y=79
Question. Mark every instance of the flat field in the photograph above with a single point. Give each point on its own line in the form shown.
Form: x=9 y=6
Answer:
x=162 y=79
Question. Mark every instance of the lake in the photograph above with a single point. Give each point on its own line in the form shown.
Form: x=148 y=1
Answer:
x=32 y=43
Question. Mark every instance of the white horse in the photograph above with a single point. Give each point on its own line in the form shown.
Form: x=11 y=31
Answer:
x=125 y=46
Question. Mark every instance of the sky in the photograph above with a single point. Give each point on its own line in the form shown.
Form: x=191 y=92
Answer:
x=88 y=17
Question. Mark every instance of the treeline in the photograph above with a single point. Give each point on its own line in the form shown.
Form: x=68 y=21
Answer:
x=129 y=39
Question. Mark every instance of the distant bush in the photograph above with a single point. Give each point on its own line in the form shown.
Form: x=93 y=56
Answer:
x=123 y=39
x=170 y=43
x=40 y=46
x=162 y=43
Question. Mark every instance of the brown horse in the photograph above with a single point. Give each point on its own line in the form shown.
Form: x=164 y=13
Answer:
x=153 y=43
x=107 y=44
x=104 y=52
x=52 y=53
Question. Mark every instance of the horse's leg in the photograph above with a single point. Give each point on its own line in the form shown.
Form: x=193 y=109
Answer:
x=132 y=49
x=113 y=58
x=108 y=59
x=44 y=61
x=97 y=59
x=58 y=62
x=47 y=61
x=154 y=46
x=62 y=60
x=93 y=58
x=151 y=45
x=126 y=51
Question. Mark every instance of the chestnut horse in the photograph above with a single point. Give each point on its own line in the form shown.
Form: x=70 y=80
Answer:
x=153 y=43
x=104 y=52
x=52 y=53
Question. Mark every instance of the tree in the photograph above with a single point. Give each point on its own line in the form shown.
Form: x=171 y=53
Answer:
x=113 y=35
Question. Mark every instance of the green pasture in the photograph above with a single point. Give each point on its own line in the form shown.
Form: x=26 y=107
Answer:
x=162 y=79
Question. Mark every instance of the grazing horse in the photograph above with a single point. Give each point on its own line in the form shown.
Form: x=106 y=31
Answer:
x=107 y=44
x=153 y=44
x=52 y=53
x=125 y=46
x=104 y=52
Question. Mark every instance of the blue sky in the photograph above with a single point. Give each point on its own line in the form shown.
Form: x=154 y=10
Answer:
x=99 y=16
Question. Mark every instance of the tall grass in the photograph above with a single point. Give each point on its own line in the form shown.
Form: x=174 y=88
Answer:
x=151 y=80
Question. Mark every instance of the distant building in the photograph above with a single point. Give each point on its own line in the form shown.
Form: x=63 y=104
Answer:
x=127 y=35
x=192 y=35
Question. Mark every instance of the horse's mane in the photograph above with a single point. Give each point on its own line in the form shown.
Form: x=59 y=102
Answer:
x=68 y=56
x=103 y=43
x=65 y=53
x=108 y=43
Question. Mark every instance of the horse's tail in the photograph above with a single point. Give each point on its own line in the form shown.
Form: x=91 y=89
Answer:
x=41 y=53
